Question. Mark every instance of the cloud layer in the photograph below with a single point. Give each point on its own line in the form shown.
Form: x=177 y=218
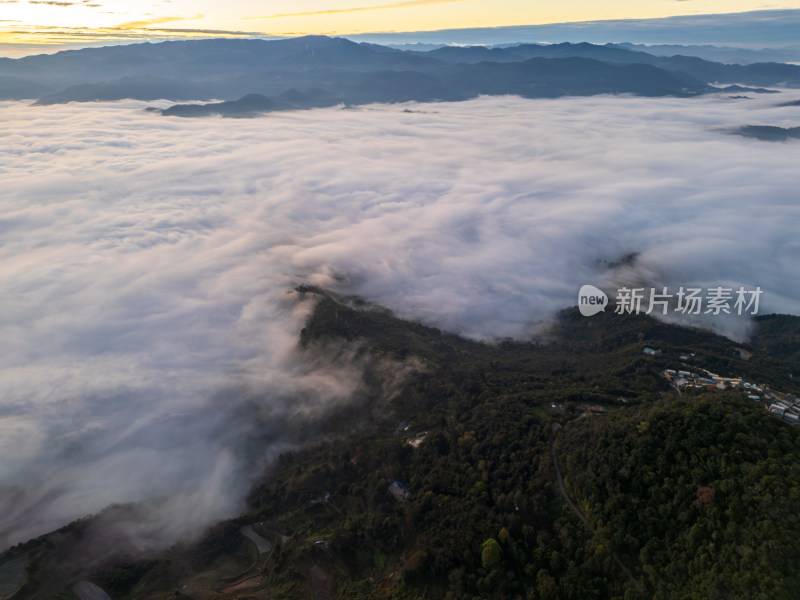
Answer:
x=148 y=330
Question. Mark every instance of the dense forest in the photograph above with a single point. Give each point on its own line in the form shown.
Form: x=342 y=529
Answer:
x=442 y=483
x=699 y=496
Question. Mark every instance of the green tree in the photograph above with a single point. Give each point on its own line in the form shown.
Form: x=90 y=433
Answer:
x=492 y=554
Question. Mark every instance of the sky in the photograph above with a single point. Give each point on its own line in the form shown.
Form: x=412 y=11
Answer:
x=148 y=337
x=29 y=26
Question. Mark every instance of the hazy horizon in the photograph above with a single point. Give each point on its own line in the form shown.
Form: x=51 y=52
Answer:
x=31 y=28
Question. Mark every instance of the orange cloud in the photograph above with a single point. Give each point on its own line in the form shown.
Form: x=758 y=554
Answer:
x=360 y=9
x=156 y=21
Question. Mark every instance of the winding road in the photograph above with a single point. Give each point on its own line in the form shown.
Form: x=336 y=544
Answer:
x=575 y=508
x=563 y=490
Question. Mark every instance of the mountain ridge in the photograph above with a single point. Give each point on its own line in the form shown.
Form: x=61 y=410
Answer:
x=229 y=69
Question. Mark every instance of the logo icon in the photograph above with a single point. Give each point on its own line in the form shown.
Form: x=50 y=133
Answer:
x=591 y=300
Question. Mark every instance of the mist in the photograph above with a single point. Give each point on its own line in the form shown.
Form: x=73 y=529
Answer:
x=148 y=337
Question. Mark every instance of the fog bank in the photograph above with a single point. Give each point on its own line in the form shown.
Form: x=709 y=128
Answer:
x=148 y=332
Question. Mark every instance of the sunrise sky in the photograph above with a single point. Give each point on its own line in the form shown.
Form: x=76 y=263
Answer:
x=47 y=25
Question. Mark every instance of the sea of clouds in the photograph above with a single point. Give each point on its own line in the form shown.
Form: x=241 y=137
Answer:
x=148 y=331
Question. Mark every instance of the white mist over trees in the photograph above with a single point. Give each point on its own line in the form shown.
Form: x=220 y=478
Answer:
x=147 y=262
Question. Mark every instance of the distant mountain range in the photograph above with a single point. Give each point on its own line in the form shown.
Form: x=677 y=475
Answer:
x=253 y=76
x=534 y=78
x=752 y=30
x=723 y=54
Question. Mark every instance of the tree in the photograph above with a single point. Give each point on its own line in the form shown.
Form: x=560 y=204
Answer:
x=492 y=554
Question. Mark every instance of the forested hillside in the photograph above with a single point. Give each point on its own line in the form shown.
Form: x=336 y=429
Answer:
x=441 y=483
x=698 y=495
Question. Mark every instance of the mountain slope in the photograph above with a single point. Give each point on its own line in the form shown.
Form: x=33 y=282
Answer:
x=229 y=69
x=764 y=73
x=694 y=494
x=140 y=88
x=441 y=484
x=535 y=78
